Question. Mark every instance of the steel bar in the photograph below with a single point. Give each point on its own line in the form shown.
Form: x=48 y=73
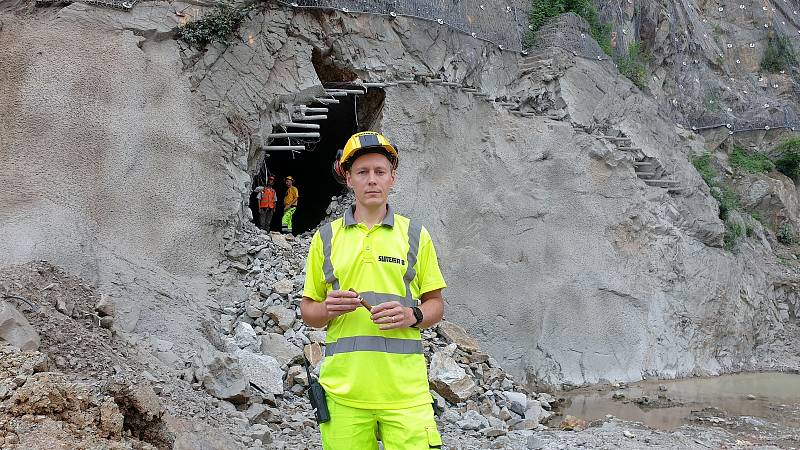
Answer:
x=309 y=126
x=293 y=135
x=294 y=148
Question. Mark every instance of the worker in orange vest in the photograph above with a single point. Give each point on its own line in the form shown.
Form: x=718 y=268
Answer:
x=266 y=203
x=289 y=205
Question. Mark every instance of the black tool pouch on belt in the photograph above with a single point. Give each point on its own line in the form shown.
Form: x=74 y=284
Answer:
x=316 y=394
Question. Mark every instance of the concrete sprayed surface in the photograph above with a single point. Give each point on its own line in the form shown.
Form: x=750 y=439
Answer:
x=103 y=138
x=107 y=172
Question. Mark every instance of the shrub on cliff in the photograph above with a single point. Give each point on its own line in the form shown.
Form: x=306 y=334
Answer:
x=788 y=162
x=779 y=55
x=216 y=26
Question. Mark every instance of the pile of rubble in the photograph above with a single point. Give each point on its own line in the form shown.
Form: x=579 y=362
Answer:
x=267 y=337
x=94 y=384
x=42 y=409
x=91 y=385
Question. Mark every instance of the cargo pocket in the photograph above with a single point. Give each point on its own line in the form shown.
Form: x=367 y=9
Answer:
x=434 y=439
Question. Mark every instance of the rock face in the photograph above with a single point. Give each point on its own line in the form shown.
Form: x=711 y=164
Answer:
x=571 y=277
x=563 y=264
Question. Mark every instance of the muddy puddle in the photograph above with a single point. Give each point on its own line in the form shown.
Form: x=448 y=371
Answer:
x=757 y=397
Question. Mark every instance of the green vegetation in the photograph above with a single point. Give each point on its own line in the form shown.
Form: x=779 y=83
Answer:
x=749 y=231
x=786 y=234
x=544 y=10
x=753 y=163
x=733 y=234
x=634 y=66
x=725 y=196
x=711 y=102
x=703 y=165
x=761 y=219
x=216 y=26
x=728 y=201
x=789 y=160
x=779 y=55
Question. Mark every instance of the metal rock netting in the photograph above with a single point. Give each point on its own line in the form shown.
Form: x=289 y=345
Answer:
x=489 y=20
x=746 y=107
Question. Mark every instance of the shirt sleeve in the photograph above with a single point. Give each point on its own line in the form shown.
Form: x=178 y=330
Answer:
x=314 y=287
x=429 y=276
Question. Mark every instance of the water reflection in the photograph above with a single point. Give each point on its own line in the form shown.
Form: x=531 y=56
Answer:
x=752 y=394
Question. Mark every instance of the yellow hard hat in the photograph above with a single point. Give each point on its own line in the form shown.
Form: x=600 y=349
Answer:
x=367 y=140
x=289 y=178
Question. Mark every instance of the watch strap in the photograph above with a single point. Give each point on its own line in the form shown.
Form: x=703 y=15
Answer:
x=417 y=315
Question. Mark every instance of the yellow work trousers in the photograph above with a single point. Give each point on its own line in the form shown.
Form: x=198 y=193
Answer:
x=286 y=220
x=400 y=429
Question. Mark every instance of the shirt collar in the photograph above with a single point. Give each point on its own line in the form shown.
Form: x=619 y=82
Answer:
x=350 y=218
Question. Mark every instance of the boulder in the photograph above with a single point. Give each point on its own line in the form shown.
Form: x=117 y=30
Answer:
x=517 y=402
x=525 y=424
x=472 y=420
x=15 y=328
x=313 y=352
x=494 y=431
x=280 y=241
x=536 y=412
x=457 y=335
x=449 y=379
x=140 y=398
x=263 y=371
x=221 y=375
x=259 y=412
x=773 y=197
x=244 y=336
x=253 y=311
x=278 y=347
x=194 y=434
x=283 y=316
x=296 y=375
x=65 y=306
x=104 y=307
x=260 y=432
x=283 y=287
x=572 y=423
x=317 y=336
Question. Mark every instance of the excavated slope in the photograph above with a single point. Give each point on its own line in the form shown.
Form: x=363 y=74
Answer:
x=130 y=153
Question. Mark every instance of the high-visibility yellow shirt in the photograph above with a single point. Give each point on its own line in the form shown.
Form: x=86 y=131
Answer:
x=291 y=197
x=373 y=261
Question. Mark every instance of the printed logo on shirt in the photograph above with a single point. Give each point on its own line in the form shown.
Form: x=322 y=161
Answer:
x=391 y=259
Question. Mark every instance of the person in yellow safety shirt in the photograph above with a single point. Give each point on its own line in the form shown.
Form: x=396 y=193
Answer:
x=374 y=372
x=266 y=203
x=289 y=204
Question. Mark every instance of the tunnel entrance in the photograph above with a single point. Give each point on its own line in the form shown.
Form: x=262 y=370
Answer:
x=312 y=168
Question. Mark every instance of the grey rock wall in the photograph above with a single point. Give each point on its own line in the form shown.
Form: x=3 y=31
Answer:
x=129 y=158
x=563 y=262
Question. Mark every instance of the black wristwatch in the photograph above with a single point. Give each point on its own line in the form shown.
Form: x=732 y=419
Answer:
x=417 y=315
